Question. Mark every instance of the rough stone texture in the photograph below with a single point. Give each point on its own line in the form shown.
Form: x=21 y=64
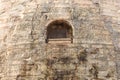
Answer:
x=93 y=55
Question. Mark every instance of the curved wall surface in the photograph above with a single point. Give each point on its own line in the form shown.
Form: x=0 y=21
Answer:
x=93 y=53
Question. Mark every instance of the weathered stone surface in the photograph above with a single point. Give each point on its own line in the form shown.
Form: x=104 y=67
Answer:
x=92 y=55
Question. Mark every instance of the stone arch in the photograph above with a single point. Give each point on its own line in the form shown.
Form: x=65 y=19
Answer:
x=59 y=31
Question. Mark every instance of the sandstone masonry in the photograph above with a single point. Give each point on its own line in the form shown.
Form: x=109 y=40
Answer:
x=92 y=51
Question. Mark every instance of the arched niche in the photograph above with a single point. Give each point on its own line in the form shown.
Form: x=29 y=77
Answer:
x=59 y=31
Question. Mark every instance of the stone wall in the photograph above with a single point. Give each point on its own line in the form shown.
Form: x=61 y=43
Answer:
x=93 y=55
